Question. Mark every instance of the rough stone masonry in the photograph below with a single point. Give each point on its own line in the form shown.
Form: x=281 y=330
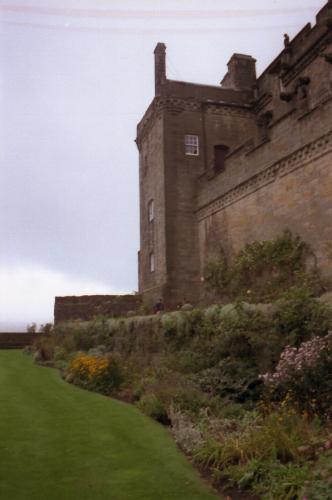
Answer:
x=221 y=166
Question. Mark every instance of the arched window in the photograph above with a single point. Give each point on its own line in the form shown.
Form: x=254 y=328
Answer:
x=151 y=262
x=151 y=210
x=220 y=153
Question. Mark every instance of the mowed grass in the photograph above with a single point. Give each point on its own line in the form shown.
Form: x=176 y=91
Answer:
x=58 y=442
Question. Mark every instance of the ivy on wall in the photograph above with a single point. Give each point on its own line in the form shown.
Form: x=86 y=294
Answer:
x=263 y=270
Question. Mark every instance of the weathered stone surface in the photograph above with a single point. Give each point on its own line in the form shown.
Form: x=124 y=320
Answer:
x=86 y=307
x=276 y=175
x=17 y=340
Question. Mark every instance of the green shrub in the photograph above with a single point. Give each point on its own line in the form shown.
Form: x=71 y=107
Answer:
x=61 y=365
x=232 y=381
x=320 y=487
x=229 y=410
x=262 y=270
x=96 y=373
x=212 y=314
x=239 y=351
x=31 y=328
x=217 y=274
x=283 y=481
x=275 y=437
x=299 y=316
x=270 y=479
x=173 y=388
x=46 y=347
x=99 y=350
x=177 y=328
x=186 y=433
x=83 y=340
x=59 y=354
x=303 y=377
x=151 y=405
x=73 y=336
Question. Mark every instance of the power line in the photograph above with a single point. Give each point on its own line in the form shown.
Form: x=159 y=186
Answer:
x=153 y=14
x=145 y=31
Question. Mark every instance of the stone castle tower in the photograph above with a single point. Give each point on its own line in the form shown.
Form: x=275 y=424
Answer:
x=221 y=166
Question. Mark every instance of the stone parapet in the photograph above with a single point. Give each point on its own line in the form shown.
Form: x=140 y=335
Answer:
x=86 y=307
x=17 y=340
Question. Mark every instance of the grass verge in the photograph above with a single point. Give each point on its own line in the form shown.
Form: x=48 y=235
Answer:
x=59 y=441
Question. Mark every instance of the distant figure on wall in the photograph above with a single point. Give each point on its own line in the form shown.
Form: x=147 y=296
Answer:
x=158 y=307
x=286 y=41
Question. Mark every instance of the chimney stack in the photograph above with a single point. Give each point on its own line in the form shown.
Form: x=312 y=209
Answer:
x=159 y=67
x=241 y=73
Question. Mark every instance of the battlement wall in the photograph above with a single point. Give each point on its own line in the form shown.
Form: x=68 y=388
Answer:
x=86 y=307
x=17 y=340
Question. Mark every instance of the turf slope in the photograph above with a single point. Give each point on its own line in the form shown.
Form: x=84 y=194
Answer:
x=58 y=442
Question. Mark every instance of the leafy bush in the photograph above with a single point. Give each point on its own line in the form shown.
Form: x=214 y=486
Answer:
x=232 y=381
x=97 y=373
x=217 y=274
x=318 y=490
x=239 y=351
x=304 y=375
x=320 y=487
x=243 y=334
x=83 y=340
x=261 y=454
x=173 y=388
x=61 y=365
x=263 y=269
x=31 y=328
x=186 y=433
x=151 y=405
x=272 y=437
x=179 y=327
x=99 y=350
x=299 y=316
x=270 y=479
x=47 y=328
x=45 y=348
x=73 y=336
x=59 y=354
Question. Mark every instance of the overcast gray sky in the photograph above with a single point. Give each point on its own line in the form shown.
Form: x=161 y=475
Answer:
x=76 y=77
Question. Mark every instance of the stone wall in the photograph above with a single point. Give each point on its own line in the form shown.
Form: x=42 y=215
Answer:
x=86 y=307
x=152 y=234
x=16 y=340
x=293 y=195
x=283 y=178
x=276 y=173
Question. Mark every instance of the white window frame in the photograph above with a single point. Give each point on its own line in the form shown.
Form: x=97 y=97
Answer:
x=191 y=145
x=152 y=266
x=151 y=210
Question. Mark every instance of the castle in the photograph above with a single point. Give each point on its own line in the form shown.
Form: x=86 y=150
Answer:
x=221 y=166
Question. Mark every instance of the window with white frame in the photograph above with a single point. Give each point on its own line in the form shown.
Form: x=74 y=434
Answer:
x=191 y=145
x=151 y=262
x=151 y=210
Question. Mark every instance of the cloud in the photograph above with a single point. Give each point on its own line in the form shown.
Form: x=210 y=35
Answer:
x=27 y=293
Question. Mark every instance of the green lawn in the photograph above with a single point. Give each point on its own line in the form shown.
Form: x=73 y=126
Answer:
x=58 y=442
